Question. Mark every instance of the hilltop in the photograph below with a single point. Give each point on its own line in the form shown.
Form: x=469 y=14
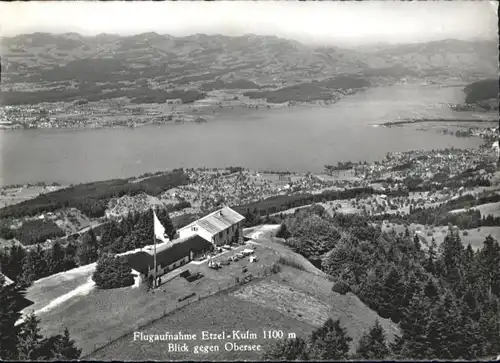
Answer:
x=94 y=319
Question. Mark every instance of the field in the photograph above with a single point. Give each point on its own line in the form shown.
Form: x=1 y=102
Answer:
x=475 y=237
x=254 y=307
x=222 y=312
x=346 y=207
x=485 y=209
x=9 y=196
x=46 y=290
x=290 y=258
x=309 y=297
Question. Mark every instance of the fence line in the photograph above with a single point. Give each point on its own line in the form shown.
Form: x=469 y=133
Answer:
x=178 y=306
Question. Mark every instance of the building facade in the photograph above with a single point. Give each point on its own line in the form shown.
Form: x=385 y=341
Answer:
x=222 y=227
x=169 y=256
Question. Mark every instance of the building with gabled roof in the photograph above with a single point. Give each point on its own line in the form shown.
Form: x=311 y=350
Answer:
x=169 y=256
x=224 y=226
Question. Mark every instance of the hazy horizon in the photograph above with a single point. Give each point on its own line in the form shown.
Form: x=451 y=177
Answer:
x=319 y=23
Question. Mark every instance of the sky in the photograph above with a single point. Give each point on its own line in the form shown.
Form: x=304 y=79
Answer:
x=337 y=23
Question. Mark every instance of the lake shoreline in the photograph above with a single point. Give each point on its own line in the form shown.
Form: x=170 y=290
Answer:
x=258 y=139
x=416 y=121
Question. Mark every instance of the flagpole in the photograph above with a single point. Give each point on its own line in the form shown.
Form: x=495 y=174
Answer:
x=154 y=237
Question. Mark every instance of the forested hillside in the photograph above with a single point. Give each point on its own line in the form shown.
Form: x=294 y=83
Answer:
x=446 y=299
x=92 y=198
x=482 y=90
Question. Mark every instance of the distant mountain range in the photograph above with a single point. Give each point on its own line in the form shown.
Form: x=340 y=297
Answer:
x=52 y=63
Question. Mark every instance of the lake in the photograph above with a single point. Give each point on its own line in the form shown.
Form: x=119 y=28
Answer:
x=293 y=138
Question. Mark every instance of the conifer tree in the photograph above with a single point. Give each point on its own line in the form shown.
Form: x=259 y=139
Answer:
x=34 y=266
x=416 y=242
x=451 y=256
x=8 y=316
x=392 y=294
x=489 y=266
x=170 y=230
x=283 y=232
x=88 y=249
x=330 y=342
x=431 y=257
x=65 y=348
x=56 y=259
x=288 y=350
x=444 y=337
x=413 y=343
x=70 y=252
x=489 y=325
x=372 y=344
x=30 y=339
x=112 y=272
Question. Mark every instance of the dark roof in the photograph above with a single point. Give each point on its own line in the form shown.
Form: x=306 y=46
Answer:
x=22 y=303
x=141 y=260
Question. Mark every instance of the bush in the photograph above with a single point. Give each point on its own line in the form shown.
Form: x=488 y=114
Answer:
x=275 y=268
x=341 y=287
x=465 y=233
x=112 y=272
x=292 y=262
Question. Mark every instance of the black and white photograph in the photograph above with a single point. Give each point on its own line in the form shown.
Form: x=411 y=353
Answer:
x=249 y=181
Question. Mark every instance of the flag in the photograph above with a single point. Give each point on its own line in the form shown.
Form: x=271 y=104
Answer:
x=496 y=147
x=159 y=229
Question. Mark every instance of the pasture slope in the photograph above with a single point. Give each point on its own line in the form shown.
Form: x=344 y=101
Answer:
x=294 y=300
x=474 y=237
x=297 y=299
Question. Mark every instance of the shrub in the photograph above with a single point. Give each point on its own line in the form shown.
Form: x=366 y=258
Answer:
x=341 y=287
x=465 y=233
x=292 y=262
x=275 y=268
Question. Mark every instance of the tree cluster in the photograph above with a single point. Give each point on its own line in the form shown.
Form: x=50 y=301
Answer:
x=283 y=202
x=445 y=299
x=133 y=231
x=92 y=198
x=436 y=216
x=24 y=341
x=331 y=342
x=112 y=272
x=37 y=231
